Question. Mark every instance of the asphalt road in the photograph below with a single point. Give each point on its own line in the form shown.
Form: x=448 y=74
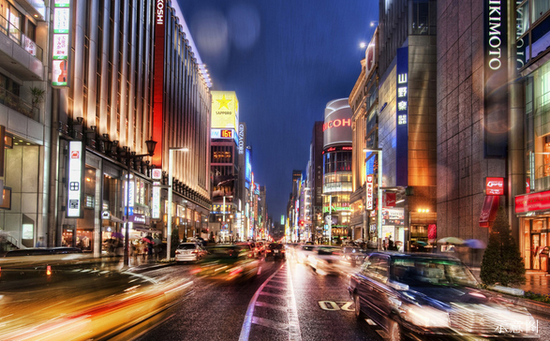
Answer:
x=287 y=301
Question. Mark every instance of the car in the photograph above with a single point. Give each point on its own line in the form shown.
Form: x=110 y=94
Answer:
x=420 y=295
x=228 y=263
x=353 y=255
x=189 y=252
x=325 y=259
x=251 y=246
x=275 y=250
x=302 y=252
x=41 y=251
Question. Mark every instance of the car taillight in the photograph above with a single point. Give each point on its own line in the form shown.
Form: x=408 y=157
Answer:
x=267 y=250
x=195 y=251
x=178 y=252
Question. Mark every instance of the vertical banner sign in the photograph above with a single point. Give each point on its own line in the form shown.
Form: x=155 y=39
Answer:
x=521 y=58
x=370 y=189
x=496 y=78
x=74 y=184
x=61 y=43
x=156 y=174
x=158 y=83
x=402 y=107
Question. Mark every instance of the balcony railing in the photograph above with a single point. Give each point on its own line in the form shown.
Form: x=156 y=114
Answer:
x=22 y=40
x=16 y=103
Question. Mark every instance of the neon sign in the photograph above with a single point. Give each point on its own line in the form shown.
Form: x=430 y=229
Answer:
x=370 y=189
x=494 y=186
x=337 y=123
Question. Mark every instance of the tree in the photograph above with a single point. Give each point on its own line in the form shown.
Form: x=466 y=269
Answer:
x=502 y=263
x=37 y=95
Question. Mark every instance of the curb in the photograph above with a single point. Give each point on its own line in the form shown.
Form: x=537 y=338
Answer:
x=539 y=307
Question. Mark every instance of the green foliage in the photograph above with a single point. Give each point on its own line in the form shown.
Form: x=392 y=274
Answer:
x=537 y=297
x=175 y=241
x=502 y=263
x=37 y=95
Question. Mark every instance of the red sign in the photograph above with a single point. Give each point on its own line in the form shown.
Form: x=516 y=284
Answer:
x=432 y=231
x=75 y=154
x=494 y=186
x=337 y=123
x=370 y=186
x=226 y=133
x=158 y=83
x=389 y=200
x=532 y=202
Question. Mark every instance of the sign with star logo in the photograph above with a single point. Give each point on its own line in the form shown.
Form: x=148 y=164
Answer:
x=225 y=110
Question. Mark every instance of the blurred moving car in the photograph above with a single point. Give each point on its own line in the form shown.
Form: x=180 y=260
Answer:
x=251 y=246
x=102 y=303
x=228 y=262
x=190 y=252
x=302 y=253
x=353 y=255
x=424 y=295
x=41 y=251
x=275 y=250
x=325 y=259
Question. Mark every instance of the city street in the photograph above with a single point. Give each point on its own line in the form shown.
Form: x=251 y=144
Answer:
x=287 y=301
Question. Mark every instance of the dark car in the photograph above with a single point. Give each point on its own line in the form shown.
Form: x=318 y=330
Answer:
x=421 y=295
x=42 y=251
x=275 y=250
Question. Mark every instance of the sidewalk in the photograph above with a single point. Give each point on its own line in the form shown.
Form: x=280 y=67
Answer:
x=535 y=281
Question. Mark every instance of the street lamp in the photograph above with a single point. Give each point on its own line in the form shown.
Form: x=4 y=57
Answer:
x=171 y=151
x=151 y=144
x=379 y=205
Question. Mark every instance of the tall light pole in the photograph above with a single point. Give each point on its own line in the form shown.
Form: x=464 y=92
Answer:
x=379 y=205
x=171 y=151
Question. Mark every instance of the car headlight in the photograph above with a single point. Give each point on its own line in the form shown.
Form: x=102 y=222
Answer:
x=426 y=316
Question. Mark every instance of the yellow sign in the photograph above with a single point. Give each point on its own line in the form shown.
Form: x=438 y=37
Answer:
x=225 y=109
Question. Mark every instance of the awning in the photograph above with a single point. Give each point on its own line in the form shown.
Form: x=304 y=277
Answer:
x=489 y=210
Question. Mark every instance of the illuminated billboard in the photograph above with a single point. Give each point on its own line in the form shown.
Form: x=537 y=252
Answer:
x=337 y=124
x=61 y=43
x=225 y=110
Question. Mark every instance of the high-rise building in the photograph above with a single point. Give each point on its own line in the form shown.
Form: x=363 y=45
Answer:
x=363 y=101
x=407 y=120
x=135 y=87
x=225 y=164
x=25 y=121
x=337 y=173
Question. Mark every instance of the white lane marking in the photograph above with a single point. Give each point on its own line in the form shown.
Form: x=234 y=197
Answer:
x=247 y=323
x=274 y=286
x=270 y=323
x=273 y=295
x=271 y=306
x=295 y=333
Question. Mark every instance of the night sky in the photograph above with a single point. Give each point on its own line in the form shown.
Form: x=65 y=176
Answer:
x=285 y=59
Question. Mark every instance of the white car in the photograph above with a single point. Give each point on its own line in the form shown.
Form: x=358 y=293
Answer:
x=189 y=252
x=303 y=252
x=325 y=259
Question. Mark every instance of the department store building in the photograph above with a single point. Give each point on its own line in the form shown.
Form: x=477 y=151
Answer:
x=134 y=85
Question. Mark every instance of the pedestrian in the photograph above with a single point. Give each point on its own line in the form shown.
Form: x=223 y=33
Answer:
x=40 y=242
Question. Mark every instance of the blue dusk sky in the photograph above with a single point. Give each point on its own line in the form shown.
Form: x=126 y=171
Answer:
x=285 y=59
